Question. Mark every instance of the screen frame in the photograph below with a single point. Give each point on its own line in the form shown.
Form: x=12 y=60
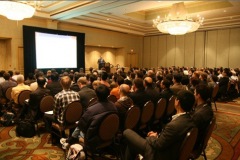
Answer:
x=30 y=48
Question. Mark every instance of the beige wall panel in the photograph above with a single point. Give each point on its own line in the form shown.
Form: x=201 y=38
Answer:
x=211 y=49
x=223 y=48
x=147 y=52
x=162 y=51
x=154 y=51
x=3 y=51
x=189 y=49
x=199 y=49
x=120 y=58
x=171 y=50
x=179 y=61
x=234 y=55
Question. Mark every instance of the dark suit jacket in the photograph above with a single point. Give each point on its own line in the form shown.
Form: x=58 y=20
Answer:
x=35 y=99
x=167 y=94
x=91 y=119
x=75 y=87
x=85 y=95
x=223 y=84
x=167 y=145
x=202 y=116
x=55 y=87
x=153 y=94
x=140 y=97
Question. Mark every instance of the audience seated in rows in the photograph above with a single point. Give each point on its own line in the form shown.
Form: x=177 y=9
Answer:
x=177 y=86
x=152 y=92
x=34 y=85
x=213 y=80
x=104 y=78
x=115 y=91
x=55 y=87
x=166 y=93
x=166 y=144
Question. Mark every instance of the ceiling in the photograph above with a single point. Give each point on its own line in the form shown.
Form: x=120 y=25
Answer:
x=135 y=17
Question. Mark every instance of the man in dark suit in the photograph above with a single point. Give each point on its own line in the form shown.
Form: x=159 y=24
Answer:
x=85 y=93
x=153 y=94
x=139 y=96
x=166 y=144
x=177 y=86
x=55 y=86
x=100 y=63
x=203 y=113
x=33 y=106
x=223 y=84
x=166 y=91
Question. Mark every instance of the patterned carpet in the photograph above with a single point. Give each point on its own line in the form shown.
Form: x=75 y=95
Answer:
x=223 y=144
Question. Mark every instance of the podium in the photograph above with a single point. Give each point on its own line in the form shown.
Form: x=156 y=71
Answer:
x=101 y=65
x=104 y=65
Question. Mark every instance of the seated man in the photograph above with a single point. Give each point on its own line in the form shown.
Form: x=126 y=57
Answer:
x=33 y=107
x=152 y=92
x=177 y=86
x=166 y=91
x=123 y=103
x=203 y=113
x=166 y=144
x=20 y=87
x=55 y=86
x=61 y=100
x=89 y=123
x=115 y=91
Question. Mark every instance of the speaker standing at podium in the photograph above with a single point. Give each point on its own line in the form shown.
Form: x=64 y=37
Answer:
x=101 y=63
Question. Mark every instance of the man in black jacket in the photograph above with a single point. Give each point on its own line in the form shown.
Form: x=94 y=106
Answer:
x=223 y=84
x=152 y=92
x=166 y=144
x=166 y=93
x=55 y=86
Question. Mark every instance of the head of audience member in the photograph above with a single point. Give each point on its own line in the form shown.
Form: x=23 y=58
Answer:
x=165 y=83
x=124 y=90
x=184 y=101
x=120 y=80
x=77 y=76
x=225 y=72
x=39 y=73
x=20 y=79
x=159 y=78
x=102 y=92
x=185 y=80
x=93 y=78
x=202 y=93
x=53 y=70
x=148 y=82
x=67 y=70
x=65 y=74
x=41 y=81
x=196 y=74
x=6 y=76
x=82 y=81
x=30 y=76
x=177 y=78
x=95 y=72
x=35 y=71
x=54 y=76
x=17 y=72
x=123 y=74
x=103 y=69
x=81 y=70
x=71 y=77
x=194 y=81
x=1 y=73
x=214 y=78
x=115 y=76
x=104 y=76
x=11 y=73
x=65 y=82
x=95 y=84
x=72 y=72
x=132 y=76
x=139 y=74
x=90 y=69
x=203 y=76
x=138 y=84
x=49 y=73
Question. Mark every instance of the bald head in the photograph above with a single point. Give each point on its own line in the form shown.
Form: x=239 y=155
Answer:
x=148 y=82
x=124 y=90
x=20 y=79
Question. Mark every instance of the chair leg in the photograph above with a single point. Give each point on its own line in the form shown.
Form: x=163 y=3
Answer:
x=38 y=129
x=215 y=105
x=204 y=154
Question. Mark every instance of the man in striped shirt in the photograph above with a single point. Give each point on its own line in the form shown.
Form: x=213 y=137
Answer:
x=61 y=100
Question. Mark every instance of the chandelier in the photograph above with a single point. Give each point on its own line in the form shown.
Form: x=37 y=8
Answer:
x=177 y=22
x=16 y=10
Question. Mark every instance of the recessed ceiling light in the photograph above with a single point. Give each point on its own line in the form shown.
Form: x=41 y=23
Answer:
x=224 y=10
x=231 y=17
x=108 y=19
x=129 y=24
x=159 y=1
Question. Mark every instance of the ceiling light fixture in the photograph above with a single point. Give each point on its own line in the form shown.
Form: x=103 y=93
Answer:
x=178 y=22
x=16 y=10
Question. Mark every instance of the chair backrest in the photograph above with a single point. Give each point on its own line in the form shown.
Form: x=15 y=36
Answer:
x=73 y=112
x=208 y=133
x=93 y=100
x=171 y=105
x=46 y=104
x=161 y=105
x=215 y=90
x=188 y=144
x=112 y=98
x=132 y=117
x=25 y=94
x=8 y=93
x=109 y=127
x=146 y=114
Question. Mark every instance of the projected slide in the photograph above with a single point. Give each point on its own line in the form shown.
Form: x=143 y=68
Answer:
x=55 y=51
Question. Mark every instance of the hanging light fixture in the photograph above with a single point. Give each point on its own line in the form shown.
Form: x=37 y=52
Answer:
x=177 y=22
x=16 y=10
